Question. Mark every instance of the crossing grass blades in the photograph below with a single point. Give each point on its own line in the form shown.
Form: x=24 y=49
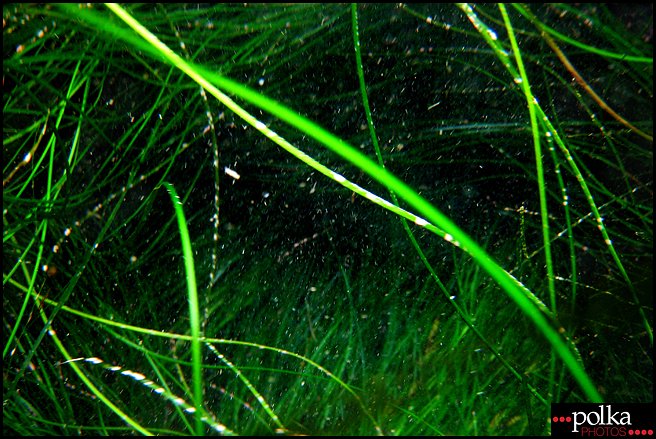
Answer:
x=190 y=254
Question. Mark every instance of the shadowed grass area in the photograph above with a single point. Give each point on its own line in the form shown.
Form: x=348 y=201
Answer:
x=288 y=132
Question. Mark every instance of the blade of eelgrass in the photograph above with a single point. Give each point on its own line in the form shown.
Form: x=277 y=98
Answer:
x=194 y=313
x=531 y=103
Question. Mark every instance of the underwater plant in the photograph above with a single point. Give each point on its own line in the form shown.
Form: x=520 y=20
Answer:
x=439 y=224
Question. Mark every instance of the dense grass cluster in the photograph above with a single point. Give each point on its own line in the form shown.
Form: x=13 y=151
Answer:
x=376 y=248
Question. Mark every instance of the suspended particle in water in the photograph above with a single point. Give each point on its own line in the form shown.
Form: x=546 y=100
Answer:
x=232 y=173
